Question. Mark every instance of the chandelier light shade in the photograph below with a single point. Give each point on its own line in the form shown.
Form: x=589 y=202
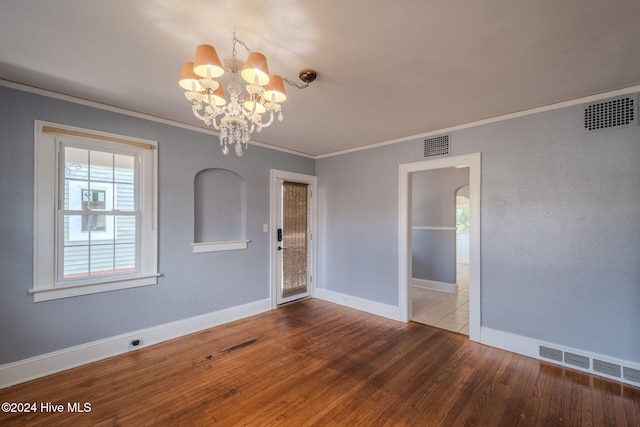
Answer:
x=188 y=79
x=242 y=113
x=255 y=70
x=207 y=63
x=274 y=90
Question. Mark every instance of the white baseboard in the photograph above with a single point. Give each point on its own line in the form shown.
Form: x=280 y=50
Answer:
x=434 y=286
x=373 y=307
x=46 y=364
x=531 y=347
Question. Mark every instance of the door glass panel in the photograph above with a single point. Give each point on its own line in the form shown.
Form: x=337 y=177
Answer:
x=294 y=238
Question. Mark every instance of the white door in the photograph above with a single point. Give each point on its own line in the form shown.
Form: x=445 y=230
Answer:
x=292 y=239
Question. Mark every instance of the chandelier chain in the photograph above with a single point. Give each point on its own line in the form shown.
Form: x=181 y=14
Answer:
x=294 y=84
x=237 y=40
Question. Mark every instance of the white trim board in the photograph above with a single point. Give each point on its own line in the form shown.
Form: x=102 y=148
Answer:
x=405 y=170
x=61 y=360
x=550 y=107
x=430 y=228
x=130 y=113
x=373 y=307
x=434 y=285
x=531 y=347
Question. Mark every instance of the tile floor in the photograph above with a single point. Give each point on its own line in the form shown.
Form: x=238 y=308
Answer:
x=443 y=309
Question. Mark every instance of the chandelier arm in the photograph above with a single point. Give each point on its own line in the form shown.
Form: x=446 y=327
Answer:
x=214 y=122
x=253 y=109
x=212 y=118
x=259 y=122
x=271 y=116
x=196 y=112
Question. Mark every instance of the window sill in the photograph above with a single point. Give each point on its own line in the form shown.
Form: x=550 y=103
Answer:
x=48 y=294
x=230 y=245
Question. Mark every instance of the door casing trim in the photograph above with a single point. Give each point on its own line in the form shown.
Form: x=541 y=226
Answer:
x=275 y=175
x=473 y=162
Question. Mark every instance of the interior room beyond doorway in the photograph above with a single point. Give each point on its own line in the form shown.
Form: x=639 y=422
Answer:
x=444 y=310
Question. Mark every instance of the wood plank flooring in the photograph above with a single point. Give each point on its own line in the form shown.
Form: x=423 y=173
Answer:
x=313 y=363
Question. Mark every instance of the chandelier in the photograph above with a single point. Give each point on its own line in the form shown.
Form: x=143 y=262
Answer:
x=245 y=110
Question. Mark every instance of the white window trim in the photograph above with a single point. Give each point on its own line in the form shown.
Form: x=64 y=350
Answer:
x=45 y=226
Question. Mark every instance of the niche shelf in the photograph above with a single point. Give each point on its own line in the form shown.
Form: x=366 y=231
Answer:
x=219 y=211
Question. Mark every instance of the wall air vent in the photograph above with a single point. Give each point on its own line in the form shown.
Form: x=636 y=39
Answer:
x=611 y=369
x=616 y=112
x=576 y=360
x=550 y=353
x=631 y=374
x=436 y=146
x=591 y=365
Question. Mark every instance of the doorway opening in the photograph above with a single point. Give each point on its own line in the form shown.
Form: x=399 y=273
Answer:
x=440 y=261
x=292 y=225
x=405 y=235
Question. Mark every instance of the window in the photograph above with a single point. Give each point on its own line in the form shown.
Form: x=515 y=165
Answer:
x=94 y=200
x=95 y=212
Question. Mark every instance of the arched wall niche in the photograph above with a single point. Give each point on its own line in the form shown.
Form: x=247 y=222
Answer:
x=219 y=211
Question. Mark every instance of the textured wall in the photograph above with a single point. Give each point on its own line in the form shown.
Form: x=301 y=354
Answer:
x=192 y=284
x=560 y=235
x=358 y=221
x=433 y=204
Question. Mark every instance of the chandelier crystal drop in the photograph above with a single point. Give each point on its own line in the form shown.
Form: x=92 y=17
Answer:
x=247 y=105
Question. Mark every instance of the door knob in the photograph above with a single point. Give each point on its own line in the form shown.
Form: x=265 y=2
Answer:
x=280 y=248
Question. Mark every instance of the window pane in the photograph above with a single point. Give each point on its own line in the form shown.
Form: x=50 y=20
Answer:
x=102 y=258
x=76 y=175
x=94 y=222
x=76 y=161
x=94 y=253
x=124 y=199
x=102 y=249
x=125 y=250
x=123 y=167
x=93 y=200
x=101 y=166
x=125 y=258
x=76 y=261
x=125 y=229
x=72 y=231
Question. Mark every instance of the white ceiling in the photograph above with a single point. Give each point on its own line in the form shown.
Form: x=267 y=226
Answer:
x=386 y=69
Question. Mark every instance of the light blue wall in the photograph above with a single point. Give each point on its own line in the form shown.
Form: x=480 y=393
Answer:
x=560 y=235
x=358 y=221
x=192 y=284
x=433 y=204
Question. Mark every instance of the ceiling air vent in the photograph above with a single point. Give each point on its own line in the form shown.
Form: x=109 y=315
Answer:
x=615 y=112
x=436 y=146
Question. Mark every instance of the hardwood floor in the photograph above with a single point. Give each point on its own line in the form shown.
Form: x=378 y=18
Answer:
x=316 y=363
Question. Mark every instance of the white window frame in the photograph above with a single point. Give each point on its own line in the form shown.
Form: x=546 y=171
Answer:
x=48 y=139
